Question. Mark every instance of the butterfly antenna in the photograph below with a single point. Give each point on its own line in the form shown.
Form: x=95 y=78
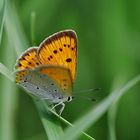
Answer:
x=87 y=98
x=88 y=90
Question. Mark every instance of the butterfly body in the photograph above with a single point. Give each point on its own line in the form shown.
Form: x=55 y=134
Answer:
x=48 y=71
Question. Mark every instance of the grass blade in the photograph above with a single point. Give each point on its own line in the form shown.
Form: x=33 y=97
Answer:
x=32 y=28
x=111 y=121
x=84 y=135
x=14 y=30
x=2 y=9
x=6 y=72
x=8 y=96
x=51 y=124
x=91 y=117
x=112 y=112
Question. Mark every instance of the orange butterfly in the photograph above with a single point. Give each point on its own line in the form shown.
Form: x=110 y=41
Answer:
x=48 y=71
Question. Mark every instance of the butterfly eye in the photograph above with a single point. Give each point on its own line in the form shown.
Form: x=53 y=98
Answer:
x=37 y=87
x=69 y=99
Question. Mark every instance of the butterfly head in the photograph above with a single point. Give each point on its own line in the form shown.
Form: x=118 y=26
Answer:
x=62 y=99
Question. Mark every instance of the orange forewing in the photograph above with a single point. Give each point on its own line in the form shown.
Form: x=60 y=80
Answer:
x=28 y=59
x=60 y=49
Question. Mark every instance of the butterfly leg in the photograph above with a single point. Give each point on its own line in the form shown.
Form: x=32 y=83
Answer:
x=56 y=105
x=62 y=108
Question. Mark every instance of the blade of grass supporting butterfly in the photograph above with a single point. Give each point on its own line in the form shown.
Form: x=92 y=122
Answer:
x=49 y=121
x=84 y=136
x=97 y=112
x=2 y=9
x=19 y=43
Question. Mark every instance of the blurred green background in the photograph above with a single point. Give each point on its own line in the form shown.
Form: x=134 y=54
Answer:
x=108 y=55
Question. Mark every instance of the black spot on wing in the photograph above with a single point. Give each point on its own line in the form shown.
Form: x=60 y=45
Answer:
x=68 y=60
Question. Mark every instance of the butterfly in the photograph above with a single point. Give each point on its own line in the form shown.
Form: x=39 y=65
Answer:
x=48 y=71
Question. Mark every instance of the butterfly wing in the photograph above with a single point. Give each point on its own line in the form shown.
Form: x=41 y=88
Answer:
x=28 y=59
x=61 y=76
x=60 y=49
x=44 y=82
